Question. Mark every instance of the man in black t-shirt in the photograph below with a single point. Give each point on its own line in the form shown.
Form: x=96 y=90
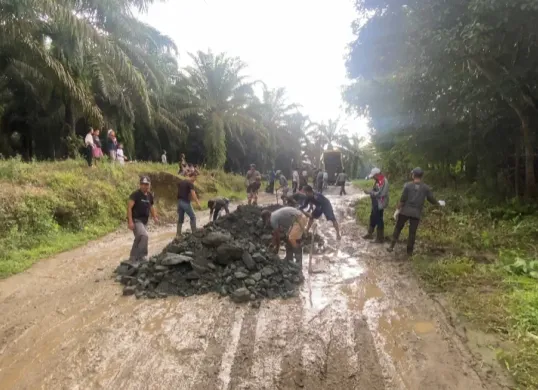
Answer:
x=139 y=208
x=186 y=194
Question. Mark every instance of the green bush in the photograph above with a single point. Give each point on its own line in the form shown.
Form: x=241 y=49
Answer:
x=49 y=207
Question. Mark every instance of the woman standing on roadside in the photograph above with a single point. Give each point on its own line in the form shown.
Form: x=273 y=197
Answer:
x=111 y=145
x=97 y=150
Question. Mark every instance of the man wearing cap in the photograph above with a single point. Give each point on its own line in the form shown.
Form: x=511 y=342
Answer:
x=139 y=208
x=186 y=194
x=379 y=195
x=410 y=208
x=215 y=205
x=292 y=223
x=254 y=179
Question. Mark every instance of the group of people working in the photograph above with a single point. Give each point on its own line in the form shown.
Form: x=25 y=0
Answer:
x=294 y=219
x=408 y=209
x=299 y=181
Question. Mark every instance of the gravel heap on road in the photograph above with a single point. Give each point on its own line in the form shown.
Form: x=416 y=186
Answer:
x=228 y=256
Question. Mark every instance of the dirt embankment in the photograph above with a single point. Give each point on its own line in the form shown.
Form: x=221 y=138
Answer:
x=360 y=322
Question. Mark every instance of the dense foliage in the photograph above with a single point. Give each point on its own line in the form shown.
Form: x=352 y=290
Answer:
x=452 y=86
x=66 y=65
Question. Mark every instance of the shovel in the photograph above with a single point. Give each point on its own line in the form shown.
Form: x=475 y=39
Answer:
x=314 y=230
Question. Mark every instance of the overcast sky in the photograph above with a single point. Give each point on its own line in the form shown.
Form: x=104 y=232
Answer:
x=296 y=44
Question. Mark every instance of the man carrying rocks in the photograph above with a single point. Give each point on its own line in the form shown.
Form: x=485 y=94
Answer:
x=410 y=209
x=217 y=204
x=323 y=206
x=254 y=179
x=139 y=208
x=292 y=223
x=186 y=194
x=283 y=183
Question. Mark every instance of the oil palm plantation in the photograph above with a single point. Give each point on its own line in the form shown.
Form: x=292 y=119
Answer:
x=221 y=95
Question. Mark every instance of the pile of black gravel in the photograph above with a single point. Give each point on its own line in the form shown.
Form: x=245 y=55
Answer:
x=229 y=257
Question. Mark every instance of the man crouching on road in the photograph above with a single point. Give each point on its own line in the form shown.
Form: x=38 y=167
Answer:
x=215 y=205
x=291 y=221
x=323 y=207
x=139 y=208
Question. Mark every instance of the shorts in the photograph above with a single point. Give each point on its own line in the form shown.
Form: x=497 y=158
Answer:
x=253 y=188
x=325 y=210
x=298 y=228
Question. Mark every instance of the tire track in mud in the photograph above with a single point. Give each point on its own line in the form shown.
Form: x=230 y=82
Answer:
x=244 y=355
x=207 y=378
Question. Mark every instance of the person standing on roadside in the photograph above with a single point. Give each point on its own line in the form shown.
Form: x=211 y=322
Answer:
x=294 y=180
x=120 y=156
x=325 y=180
x=89 y=144
x=111 y=144
x=253 y=181
x=414 y=194
x=163 y=157
x=185 y=195
x=139 y=208
x=322 y=206
x=341 y=181
x=319 y=181
x=97 y=150
x=304 y=179
x=379 y=195
x=283 y=183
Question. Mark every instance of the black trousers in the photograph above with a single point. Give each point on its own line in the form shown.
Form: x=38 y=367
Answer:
x=217 y=209
x=343 y=188
x=413 y=226
x=294 y=187
x=89 y=155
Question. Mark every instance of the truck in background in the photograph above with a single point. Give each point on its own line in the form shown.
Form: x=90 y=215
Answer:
x=332 y=163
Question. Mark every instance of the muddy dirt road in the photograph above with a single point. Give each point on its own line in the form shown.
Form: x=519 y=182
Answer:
x=361 y=324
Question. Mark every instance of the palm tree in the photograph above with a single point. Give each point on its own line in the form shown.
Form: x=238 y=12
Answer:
x=89 y=55
x=221 y=94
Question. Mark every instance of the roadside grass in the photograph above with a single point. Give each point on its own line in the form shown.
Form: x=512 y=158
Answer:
x=483 y=258
x=50 y=207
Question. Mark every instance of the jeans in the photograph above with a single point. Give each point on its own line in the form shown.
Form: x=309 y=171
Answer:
x=376 y=219
x=139 y=249
x=413 y=226
x=183 y=208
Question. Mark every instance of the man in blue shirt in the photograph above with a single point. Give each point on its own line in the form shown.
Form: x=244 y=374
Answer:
x=322 y=206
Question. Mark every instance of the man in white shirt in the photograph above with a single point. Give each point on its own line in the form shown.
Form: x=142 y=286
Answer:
x=163 y=157
x=325 y=180
x=294 y=180
x=88 y=142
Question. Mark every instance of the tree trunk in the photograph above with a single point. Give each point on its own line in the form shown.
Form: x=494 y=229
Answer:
x=71 y=135
x=530 y=177
x=471 y=165
x=516 y=169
